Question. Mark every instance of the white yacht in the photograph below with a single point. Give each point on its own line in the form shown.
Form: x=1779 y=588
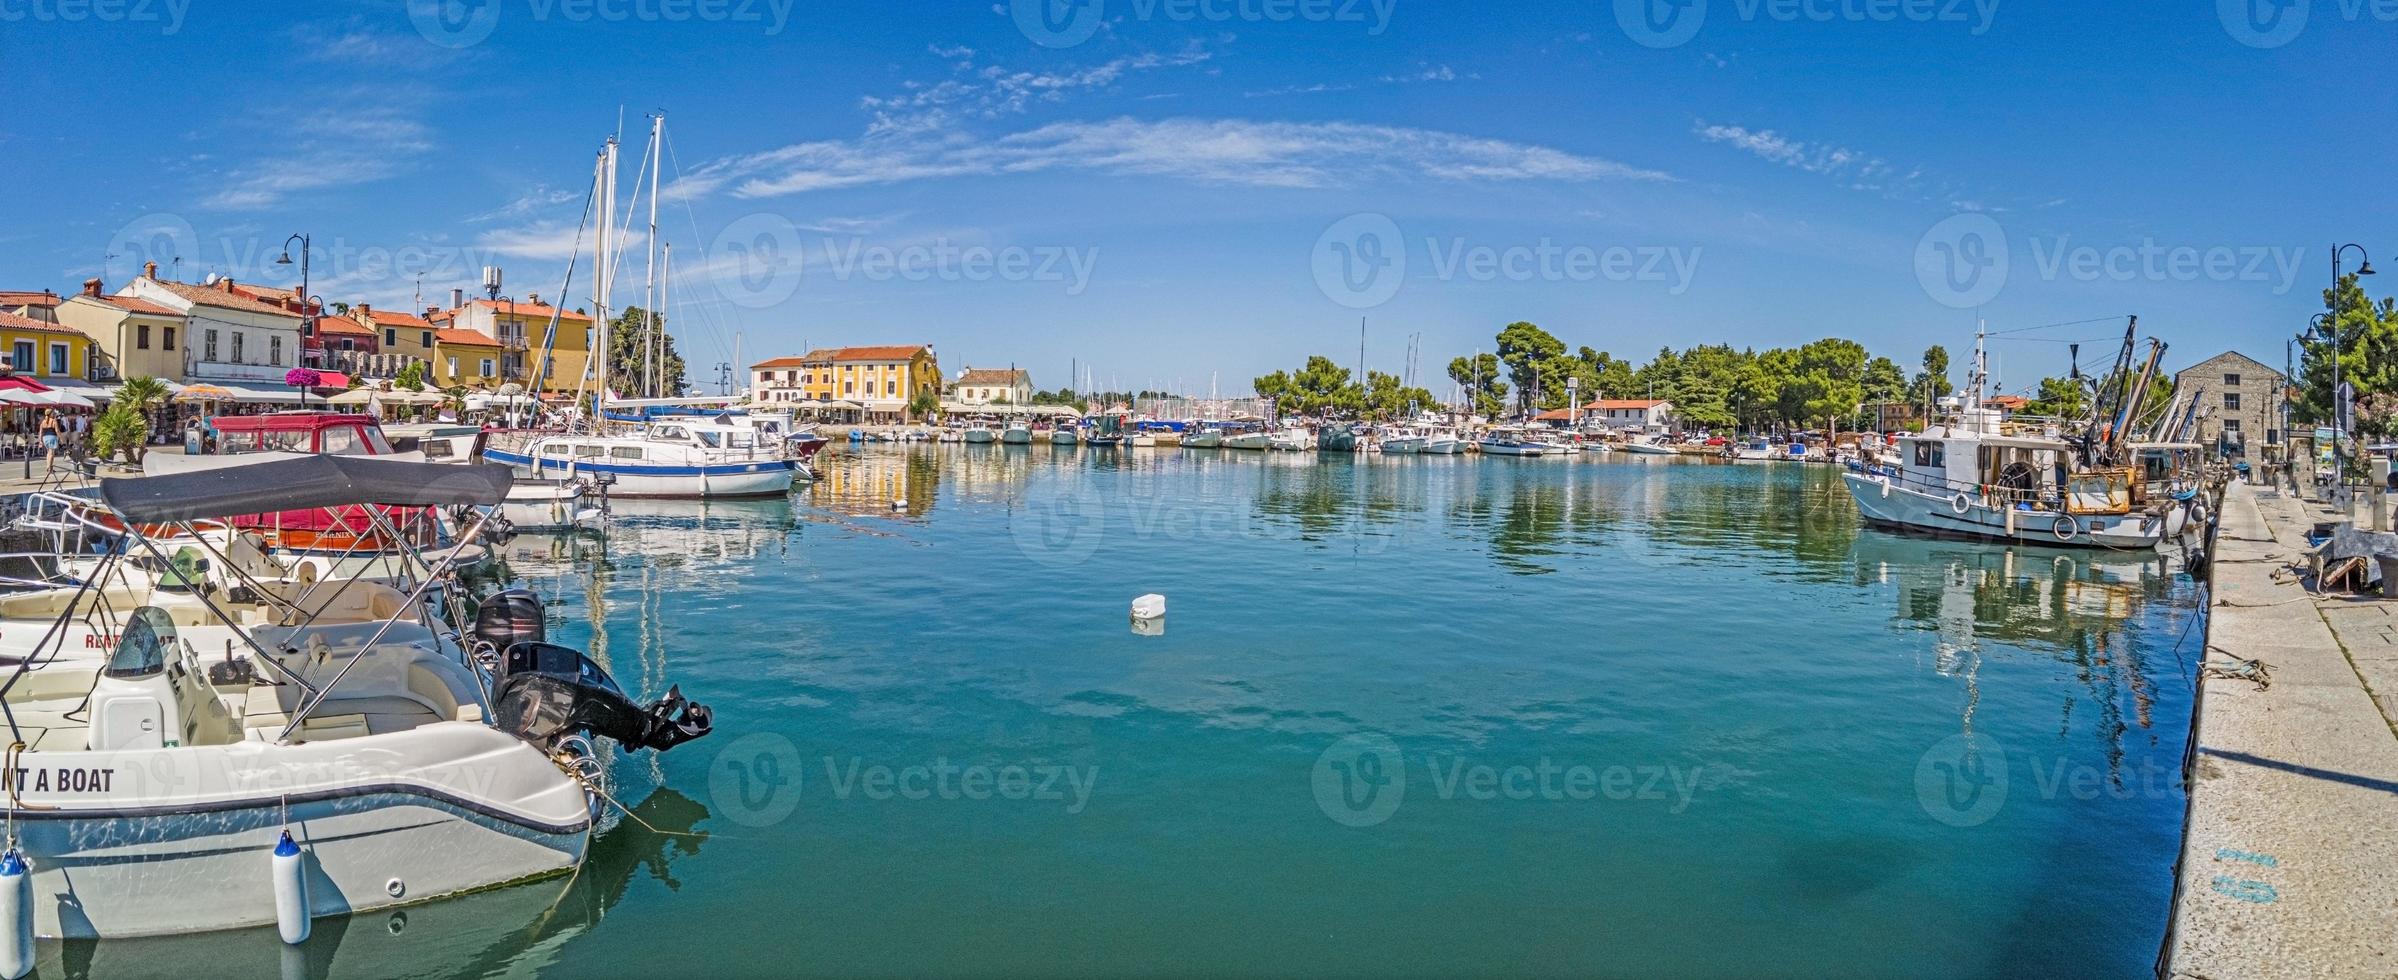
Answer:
x=979 y=432
x=1443 y=441
x=1291 y=439
x=1510 y=440
x=668 y=459
x=1402 y=440
x=1017 y=433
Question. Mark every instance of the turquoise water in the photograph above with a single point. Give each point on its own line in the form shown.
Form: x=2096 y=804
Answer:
x=1619 y=717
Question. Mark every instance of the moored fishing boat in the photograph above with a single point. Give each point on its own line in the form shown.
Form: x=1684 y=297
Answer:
x=1401 y=440
x=1509 y=440
x=1291 y=439
x=1017 y=433
x=978 y=432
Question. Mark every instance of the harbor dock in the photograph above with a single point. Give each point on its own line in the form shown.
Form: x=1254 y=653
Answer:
x=2289 y=865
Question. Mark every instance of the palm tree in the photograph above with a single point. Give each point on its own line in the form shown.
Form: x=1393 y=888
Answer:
x=142 y=392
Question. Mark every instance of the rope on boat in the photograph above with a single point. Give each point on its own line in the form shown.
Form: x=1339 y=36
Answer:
x=8 y=779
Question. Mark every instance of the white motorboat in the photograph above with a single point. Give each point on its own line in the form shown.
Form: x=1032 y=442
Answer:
x=186 y=786
x=1443 y=441
x=1403 y=440
x=1204 y=435
x=1249 y=438
x=1017 y=433
x=1647 y=446
x=978 y=432
x=1508 y=440
x=1291 y=439
x=669 y=459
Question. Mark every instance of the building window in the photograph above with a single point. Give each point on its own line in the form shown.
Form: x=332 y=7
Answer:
x=208 y=345
x=427 y=340
x=167 y=339
x=391 y=336
x=237 y=339
x=274 y=350
x=2272 y=437
x=849 y=387
x=2231 y=401
x=58 y=358
x=20 y=355
x=453 y=366
x=487 y=367
x=2231 y=425
x=890 y=387
x=2231 y=380
x=141 y=336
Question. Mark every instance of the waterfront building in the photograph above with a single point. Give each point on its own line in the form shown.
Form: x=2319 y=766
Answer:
x=131 y=337
x=882 y=380
x=467 y=358
x=236 y=342
x=1643 y=414
x=519 y=327
x=401 y=339
x=33 y=305
x=987 y=386
x=2241 y=398
x=44 y=350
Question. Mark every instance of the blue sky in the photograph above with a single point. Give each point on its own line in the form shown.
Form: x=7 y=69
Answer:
x=1175 y=192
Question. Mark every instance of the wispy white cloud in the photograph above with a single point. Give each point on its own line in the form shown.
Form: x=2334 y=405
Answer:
x=541 y=198
x=989 y=91
x=1855 y=169
x=1227 y=151
x=363 y=135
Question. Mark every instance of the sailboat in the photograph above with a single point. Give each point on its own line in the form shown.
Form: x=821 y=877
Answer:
x=650 y=460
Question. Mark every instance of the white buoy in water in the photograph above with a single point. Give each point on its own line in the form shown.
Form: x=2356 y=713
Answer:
x=291 y=891
x=1151 y=606
x=16 y=915
x=900 y=503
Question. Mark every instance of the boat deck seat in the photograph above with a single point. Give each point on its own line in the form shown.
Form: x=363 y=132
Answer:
x=265 y=717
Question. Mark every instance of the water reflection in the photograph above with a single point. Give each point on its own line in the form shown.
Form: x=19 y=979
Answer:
x=2081 y=608
x=867 y=481
x=510 y=930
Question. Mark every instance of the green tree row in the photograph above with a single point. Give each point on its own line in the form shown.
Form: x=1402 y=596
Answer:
x=1323 y=387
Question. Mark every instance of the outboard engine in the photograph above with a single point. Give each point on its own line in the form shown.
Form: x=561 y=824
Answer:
x=510 y=617
x=547 y=692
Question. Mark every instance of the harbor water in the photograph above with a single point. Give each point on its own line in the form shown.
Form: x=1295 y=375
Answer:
x=1592 y=716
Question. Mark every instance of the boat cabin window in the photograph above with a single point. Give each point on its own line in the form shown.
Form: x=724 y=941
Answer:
x=709 y=439
x=625 y=452
x=587 y=451
x=1931 y=455
x=340 y=441
x=436 y=449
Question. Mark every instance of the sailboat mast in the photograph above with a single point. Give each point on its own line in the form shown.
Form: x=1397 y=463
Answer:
x=604 y=277
x=657 y=318
x=649 y=275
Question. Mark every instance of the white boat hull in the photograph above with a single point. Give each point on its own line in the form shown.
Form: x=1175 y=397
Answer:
x=1404 y=446
x=1648 y=449
x=1248 y=440
x=1439 y=446
x=1887 y=503
x=177 y=840
x=763 y=477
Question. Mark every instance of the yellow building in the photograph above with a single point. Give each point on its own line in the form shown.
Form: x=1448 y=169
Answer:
x=131 y=337
x=44 y=350
x=464 y=357
x=520 y=326
x=882 y=380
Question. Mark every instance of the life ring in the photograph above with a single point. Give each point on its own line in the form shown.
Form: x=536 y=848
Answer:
x=1960 y=503
x=2065 y=528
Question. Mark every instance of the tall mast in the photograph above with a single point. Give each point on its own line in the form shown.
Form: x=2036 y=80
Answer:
x=649 y=286
x=604 y=277
x=657 y=319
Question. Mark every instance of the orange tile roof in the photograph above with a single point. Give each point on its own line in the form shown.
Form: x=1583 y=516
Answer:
x=464 y=338
x=28 y=297
x=780 y=362
x=342 y=325
x=524 y=308
x=893 y=352
x=387 y=318
x=993 y=376
x=212 y=296
x=135 y=304
x=11 y=321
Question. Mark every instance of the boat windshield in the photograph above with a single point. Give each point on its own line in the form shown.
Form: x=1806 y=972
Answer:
x=142 y=649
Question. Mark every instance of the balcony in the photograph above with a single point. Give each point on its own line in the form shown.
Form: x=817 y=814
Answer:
x=234 y=371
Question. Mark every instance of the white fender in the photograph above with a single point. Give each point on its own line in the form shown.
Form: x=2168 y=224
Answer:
x=291 y=891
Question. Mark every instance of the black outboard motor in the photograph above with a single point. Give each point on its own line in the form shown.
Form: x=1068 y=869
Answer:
x=510 y=617
x=547 y=692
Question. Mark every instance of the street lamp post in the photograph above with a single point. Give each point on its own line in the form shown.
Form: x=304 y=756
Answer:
x=2329 y=324
x=307 y=319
